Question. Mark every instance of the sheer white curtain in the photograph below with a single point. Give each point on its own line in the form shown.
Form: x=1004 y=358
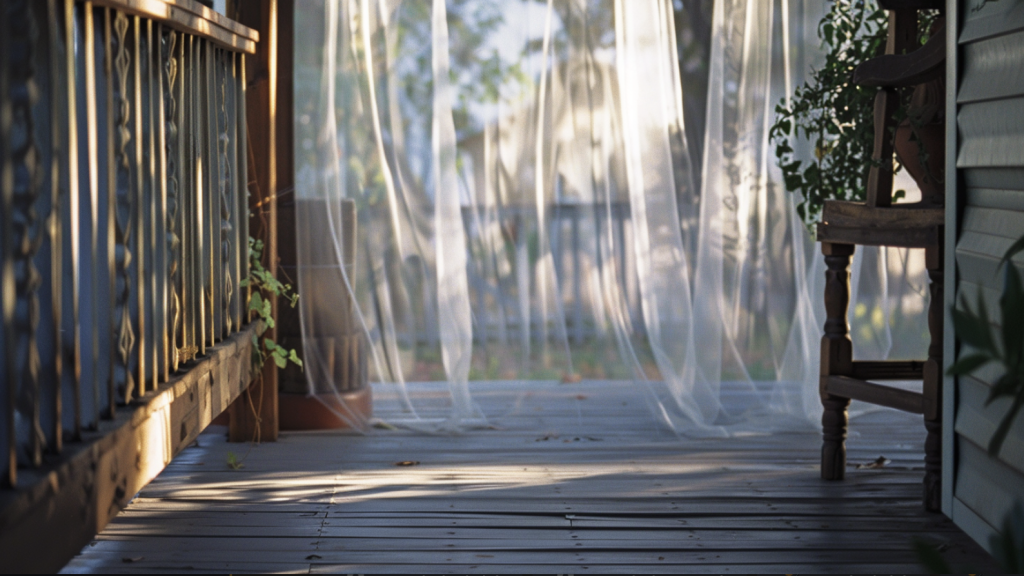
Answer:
x=527 y=211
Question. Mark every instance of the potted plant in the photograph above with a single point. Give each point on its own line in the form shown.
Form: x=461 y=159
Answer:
x=834 y=119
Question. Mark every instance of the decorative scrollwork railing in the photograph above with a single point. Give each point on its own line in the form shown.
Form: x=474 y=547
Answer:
x=123 y=219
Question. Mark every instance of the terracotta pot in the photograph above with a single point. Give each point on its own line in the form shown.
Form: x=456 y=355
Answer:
x=929 y=175
x=323 y=411
x=921 y=145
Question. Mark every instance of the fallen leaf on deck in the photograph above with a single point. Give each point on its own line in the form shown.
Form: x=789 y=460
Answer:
x=571 y=378
x=407 y=463
x=313 y=557
x=879 y=462
x=133 y=559
x=381 y=425
x=581 y=396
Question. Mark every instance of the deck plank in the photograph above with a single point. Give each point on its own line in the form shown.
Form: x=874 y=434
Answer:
x=560 y=484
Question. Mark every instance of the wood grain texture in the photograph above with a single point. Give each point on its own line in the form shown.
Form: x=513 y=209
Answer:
x=77 y=496
x=191 y=17
x=569 y=478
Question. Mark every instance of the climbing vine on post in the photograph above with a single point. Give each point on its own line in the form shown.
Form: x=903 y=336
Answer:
x=264 y=284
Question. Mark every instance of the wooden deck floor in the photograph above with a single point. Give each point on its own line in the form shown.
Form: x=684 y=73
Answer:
x=578 y=479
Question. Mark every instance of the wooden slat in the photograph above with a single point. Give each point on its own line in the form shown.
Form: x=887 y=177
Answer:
x=991 y=19
x=987 y=486
x=888 y=370
x=846 y=387
x=985 y=76
x=864 y=236
x=991 y=134
x=976 y=421
x=500 y=500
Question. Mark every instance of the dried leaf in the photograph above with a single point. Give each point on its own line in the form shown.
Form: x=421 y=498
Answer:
x=407 y=463
x=879 y=462
x=133 y=559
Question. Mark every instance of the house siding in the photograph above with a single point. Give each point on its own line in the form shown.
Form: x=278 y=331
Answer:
x=989 y=204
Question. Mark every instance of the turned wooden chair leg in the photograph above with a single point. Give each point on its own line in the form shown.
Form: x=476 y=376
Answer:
x=933 y=386
x=836 y=358
x=834 y=422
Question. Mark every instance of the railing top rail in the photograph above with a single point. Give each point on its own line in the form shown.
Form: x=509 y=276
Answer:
x=190 y=17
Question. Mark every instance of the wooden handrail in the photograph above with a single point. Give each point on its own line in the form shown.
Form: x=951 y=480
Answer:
x=190 y=17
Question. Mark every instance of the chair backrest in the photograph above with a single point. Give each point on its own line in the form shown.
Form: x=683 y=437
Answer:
x=901 y=66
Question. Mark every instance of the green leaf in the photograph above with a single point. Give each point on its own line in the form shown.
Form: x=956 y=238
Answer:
x=256 y=303
x=281 y=362
x=996 y=442
x=974 y=330
x=1007 y=544
x=930 y=557
x=968 y=364
x=1012 y=303
x=1007 y=385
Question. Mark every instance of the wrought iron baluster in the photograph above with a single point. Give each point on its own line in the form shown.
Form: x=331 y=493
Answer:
x=8 y=292
x=125 y=335
x=237 y=192
x=172 y=154
x=73 y=223
x=52 y=377
x=200 y=211
x=27 y=226
x=211 y=188
x=151 y=204
x=225 y=202
x=243 y=185
x=92 y=156
x=186 y=133
x=139 y=204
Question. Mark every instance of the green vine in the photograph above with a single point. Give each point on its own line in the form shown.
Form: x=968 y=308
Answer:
x=833 y=117
x=264 y=285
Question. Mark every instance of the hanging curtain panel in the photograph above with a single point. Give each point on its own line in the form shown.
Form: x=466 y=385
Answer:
x=501 y=193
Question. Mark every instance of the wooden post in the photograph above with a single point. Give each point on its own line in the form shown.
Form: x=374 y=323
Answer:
x=836 y=358
x=933 y=382
x=254 y=414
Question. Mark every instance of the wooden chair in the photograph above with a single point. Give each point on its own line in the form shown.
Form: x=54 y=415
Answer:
x=877 y=222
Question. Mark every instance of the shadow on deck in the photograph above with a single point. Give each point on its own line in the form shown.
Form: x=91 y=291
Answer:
x=576 y=478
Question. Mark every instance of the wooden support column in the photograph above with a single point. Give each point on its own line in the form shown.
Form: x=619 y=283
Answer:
x=254 y=414
x=933 y=382
x=289 y=327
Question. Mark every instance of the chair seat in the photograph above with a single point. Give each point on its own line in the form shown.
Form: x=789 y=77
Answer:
x=902 y=225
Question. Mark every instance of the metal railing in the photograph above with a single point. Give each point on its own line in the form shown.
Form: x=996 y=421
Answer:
x=123 y=214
